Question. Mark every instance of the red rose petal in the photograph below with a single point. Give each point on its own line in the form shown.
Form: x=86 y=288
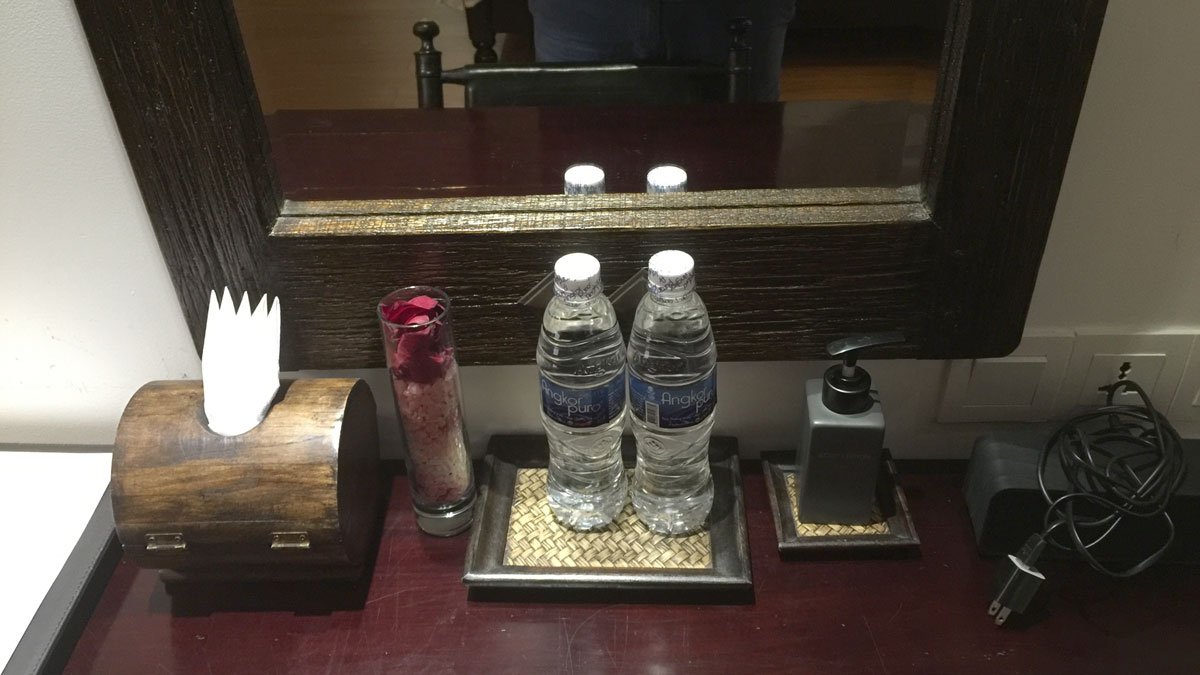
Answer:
x=398 y=312
x=407 y=312
x=390 y=311
x=418 y=355
x=424 y=302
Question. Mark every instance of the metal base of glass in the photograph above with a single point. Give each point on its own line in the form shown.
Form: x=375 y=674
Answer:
x=447 y=522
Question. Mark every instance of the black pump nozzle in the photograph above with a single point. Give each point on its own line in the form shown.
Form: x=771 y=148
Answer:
x=847 y=388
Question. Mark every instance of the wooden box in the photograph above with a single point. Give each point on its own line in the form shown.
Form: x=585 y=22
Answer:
x=298 y=496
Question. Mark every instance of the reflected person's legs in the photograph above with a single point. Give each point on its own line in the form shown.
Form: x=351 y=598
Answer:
x=771 y=19
x=595 y=30
x=698 y=30
x=667 y=30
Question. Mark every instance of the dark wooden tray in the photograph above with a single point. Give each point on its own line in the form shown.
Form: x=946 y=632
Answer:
x=517 y=544
x=893 y=531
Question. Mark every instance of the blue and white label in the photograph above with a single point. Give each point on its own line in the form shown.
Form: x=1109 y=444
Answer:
x=583 y=408
x=673 y=407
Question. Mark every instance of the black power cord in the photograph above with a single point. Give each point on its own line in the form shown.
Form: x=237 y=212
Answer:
x=1123 y=462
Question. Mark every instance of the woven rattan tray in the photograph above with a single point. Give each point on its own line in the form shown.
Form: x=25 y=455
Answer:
x=517 y=544
x=892 y=529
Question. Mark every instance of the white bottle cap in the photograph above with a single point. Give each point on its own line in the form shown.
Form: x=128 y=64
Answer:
x=666 y=178
x=583 y=179
x=672 y=274
x=577 y=277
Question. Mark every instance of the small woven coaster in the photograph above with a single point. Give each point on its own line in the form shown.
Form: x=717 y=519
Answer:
x=536 y=539
x=880 y=526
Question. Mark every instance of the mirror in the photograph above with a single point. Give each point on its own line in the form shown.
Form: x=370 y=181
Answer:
x=840 y=94
x=950 y=260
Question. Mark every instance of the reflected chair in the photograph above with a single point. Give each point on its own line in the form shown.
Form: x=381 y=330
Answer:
x=552 y=84
x=486 y=18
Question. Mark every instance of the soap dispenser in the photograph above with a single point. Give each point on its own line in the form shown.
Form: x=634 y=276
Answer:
x=841 y=442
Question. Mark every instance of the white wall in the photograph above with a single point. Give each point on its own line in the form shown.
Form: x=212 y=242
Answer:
x=1124 y=251
x=88 y=312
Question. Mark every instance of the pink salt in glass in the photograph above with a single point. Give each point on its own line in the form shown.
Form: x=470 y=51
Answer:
x=419 y=345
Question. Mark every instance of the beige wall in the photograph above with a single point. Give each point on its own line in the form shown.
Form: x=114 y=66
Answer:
x=1124 y=251
x=87 y=312
x=342 y=48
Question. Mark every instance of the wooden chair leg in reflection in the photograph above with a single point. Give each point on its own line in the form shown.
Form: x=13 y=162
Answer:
x=429 y=66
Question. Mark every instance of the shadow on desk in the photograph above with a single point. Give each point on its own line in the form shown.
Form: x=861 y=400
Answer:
x=304 y=598
x=608 y=596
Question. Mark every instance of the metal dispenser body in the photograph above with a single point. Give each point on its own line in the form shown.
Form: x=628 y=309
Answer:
x=841 y=441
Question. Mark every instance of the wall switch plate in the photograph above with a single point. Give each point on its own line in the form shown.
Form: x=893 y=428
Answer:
x=1186 y=405
x=1018 y=387
x=1156 y=364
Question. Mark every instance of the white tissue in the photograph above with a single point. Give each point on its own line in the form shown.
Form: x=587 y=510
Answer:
x=239 y=363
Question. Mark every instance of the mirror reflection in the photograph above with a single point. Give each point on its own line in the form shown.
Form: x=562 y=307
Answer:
x=830 y=93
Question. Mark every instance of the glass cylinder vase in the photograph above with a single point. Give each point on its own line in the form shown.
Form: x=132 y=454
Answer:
x=419 y=343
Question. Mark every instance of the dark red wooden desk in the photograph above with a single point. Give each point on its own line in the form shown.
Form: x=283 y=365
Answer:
x=923 y=615
x=390 y=154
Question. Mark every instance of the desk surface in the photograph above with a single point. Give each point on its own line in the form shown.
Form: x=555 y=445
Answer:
x=919 y=615
x=47 y=495
x=387 y=154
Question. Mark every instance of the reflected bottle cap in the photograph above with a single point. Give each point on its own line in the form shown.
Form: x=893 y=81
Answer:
x=577 y=277
x=583 y=179
x=671 y=274
x=666 y=178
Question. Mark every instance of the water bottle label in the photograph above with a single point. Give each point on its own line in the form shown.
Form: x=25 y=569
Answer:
x=673 y=407
x=582 y=408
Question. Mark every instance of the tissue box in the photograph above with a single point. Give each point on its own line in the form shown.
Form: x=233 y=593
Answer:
x=298 y=496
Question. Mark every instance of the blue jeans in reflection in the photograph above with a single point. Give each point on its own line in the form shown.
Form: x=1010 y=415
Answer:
x=664 y=31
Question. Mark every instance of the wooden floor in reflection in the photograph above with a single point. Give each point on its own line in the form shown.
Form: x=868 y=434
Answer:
x=861 y=65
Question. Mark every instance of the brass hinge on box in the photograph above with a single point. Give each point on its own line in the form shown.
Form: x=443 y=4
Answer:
x=289 y=540
x=165 y=541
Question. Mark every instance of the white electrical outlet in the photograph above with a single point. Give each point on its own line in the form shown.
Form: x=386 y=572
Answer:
x=1156 y=363
x=1104 y=369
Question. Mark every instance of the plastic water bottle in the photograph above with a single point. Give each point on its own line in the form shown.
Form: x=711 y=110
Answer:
x=581 y=357
x=673 y=397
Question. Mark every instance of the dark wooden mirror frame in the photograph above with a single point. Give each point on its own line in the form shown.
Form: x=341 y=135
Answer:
x=952 y=261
